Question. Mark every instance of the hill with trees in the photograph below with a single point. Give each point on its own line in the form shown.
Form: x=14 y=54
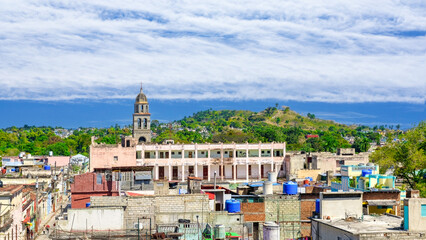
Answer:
x=271 y=124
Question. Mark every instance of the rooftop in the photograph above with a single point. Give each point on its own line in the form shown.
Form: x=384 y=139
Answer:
x=10 y=189
x=369 y=224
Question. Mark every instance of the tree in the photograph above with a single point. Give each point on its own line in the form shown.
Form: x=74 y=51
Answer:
x=407 y=158
x=361 y=144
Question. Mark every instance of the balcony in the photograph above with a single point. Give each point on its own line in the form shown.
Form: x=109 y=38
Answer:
x=5 y=221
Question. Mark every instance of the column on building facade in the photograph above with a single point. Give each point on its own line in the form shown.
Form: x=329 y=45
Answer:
x=208 y=162
x=260 y=169
x=156 y=163
x=247 y=172
x=234 y=171
x=247 y=160
x=272 y=157
x=156 y=177
x=170 y=163
x=221 y=162
x=183 y=164
x=196 y=160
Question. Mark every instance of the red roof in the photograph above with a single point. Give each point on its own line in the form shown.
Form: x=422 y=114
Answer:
x=312 y=136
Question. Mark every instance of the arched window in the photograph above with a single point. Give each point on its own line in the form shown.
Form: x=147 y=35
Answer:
x=139 y=123
x=141 y=108
x=142 y=139
x=145 y=123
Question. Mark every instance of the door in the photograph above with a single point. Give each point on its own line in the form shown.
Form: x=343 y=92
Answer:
x=191 y=170
x=175 y=173
x=205 y=172
x=262 y=170
x=249 y=170
x=189 y=154
x=161 y=172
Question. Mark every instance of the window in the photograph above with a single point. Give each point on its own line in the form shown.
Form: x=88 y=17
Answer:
x=173 y=153
x=218 y=152
x=145 y=123
x=226 y=152
x=115 y=158
x=202 y=152
x=98 y=178
x=263 y=152
x=139 y=123
x=423 y=210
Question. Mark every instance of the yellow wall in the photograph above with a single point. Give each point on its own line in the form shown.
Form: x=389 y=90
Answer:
x=382 y=210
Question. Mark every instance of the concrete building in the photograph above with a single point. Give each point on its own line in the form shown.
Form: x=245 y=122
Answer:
x=11 y=211
x=415 y=214
x=370 y=227
x=235 y=162
x=340 y=205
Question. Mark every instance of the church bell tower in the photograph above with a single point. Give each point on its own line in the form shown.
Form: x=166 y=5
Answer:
x=141 y=119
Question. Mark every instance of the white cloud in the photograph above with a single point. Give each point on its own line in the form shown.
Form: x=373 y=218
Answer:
x=328 y=51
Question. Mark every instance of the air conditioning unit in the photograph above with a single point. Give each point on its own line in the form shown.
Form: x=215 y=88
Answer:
x=140 y=226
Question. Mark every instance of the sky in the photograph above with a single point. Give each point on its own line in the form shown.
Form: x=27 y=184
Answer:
x=80 y=63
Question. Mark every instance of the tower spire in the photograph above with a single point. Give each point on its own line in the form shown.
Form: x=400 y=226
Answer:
x=141 y=86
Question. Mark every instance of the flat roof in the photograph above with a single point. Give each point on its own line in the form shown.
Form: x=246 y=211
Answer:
x=369 y=224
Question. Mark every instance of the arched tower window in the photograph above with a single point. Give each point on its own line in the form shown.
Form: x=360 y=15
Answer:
x=145 y=123
x=139 y=123
x=141 y=109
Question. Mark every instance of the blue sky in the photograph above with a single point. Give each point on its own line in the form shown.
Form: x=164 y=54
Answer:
x=368 y=56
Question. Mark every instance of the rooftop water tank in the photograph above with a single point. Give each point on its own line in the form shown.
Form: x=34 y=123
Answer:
x=88 y=204
x=317 y=205
x=272 y=176
x=232 y=206
x=366 y=172
x=267 y=188
x=271 y=231
x=219 y=232
x=46 y=167
x=290 y=188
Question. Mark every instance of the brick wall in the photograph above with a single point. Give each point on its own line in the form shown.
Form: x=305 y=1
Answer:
x=253 y=212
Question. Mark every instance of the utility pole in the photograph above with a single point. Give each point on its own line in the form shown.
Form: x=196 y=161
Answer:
x=37 y=206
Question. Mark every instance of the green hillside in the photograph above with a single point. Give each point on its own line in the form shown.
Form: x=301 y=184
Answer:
x=270 y=125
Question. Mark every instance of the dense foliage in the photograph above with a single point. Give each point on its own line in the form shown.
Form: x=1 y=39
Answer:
x=272 y=124
x=407 y=157
x=41 y=140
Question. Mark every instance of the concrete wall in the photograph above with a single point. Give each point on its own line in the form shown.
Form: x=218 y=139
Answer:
x=284 y=209
x=107 y=218
x=303 y=173
x=339 y=205
x=102 y=156
x=416 y=222
x=323 y=231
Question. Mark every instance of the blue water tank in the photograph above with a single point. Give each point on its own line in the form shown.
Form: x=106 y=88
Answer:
x=46 y=167
x=290 y=188
x=309 y=178
x=88 y=204
x=12 y=169
x=366 y=172
x=317 y=205
x=232 y=206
